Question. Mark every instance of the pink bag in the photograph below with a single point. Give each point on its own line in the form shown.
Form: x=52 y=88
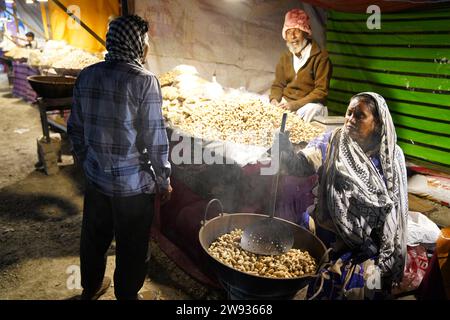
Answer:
x=415 y=268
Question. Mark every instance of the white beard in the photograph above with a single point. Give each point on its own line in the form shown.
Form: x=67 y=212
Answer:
x=296 y=49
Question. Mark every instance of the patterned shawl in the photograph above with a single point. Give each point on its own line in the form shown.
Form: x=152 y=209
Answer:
x=125 y=40
x=358 y=199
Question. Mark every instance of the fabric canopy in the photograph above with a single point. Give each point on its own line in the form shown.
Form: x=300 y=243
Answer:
x=95 y=14
x=30 y=13
x=239 y=41
x=360 y=6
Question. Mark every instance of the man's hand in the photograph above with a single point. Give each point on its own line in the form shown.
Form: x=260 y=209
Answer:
x=289 y=106
x=165 y=194
x=274 y=102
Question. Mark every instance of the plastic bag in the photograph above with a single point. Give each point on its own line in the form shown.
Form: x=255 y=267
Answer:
x=433 y=188
x=310 y=110
x=212 y=90
x=415 y=269
x=190 y=85
x=421 y=230
x=186 y=69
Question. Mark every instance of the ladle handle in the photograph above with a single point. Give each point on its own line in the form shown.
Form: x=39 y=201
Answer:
x=209 y=205
x=283 y=122
x=277 y=175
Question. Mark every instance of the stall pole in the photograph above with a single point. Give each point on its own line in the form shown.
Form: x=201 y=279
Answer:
x=124 y=6
x=44 y=20
x=15 y=17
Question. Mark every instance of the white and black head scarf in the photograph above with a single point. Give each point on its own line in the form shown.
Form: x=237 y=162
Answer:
x=126 y=38
x=360 y=200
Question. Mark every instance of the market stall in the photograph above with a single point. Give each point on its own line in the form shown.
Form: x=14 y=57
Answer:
x=231 y=57
x=75 y=43
x=233 y=130
x=42 y=75
x=215 y=64
x=21 y=86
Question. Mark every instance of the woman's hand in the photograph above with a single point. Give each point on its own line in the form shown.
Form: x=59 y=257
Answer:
x=284 y=144
x=368 y=250
x=165 y=194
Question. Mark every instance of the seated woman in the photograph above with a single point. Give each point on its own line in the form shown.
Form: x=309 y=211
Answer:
x=362 y=204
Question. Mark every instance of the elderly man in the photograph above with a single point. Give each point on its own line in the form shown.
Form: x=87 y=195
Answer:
x=118 y=135
x=303 y=72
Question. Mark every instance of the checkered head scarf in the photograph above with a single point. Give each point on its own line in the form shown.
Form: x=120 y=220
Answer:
x=125 y=40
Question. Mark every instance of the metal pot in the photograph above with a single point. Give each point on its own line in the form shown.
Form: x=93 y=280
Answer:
x=242 y=285
x=52 y=87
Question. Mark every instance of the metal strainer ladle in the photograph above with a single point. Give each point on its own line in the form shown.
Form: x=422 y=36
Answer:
x=269 y=236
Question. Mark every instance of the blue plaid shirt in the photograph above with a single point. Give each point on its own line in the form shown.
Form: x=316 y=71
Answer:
x=117 y=129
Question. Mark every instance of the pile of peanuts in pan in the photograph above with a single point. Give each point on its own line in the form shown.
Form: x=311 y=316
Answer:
x=295 y=263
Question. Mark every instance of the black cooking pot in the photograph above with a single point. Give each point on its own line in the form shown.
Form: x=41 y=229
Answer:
x=247 y=286
x=52 y=87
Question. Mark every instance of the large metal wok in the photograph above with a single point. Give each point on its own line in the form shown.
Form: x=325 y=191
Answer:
x=52 y=87
x=241 y=285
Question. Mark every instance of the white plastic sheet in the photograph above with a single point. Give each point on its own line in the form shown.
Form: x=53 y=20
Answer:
x=431 y=187
x=223 y=152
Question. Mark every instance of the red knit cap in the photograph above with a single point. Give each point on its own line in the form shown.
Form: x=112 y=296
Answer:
x=296 y=19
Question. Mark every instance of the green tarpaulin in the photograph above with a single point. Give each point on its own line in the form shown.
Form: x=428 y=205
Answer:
x=407 y=61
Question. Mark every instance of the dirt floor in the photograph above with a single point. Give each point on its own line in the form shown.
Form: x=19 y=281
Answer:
x=40 y=222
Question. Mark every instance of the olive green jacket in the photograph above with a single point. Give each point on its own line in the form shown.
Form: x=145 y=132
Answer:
x=310 y=84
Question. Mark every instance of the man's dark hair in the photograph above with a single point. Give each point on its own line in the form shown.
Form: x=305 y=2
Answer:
x=30 y=34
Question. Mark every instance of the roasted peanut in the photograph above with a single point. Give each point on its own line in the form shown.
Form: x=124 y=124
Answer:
x=294 y=263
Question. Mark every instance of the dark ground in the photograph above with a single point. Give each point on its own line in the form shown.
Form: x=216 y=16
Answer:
x=40 y=222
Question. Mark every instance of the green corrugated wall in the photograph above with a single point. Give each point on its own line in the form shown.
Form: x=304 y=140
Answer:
x=407 y=61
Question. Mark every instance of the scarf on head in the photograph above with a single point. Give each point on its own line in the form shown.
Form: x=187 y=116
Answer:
x=125 y=40
x=359 y=200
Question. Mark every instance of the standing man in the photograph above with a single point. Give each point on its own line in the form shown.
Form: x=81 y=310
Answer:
x=28 y=42
x=303 y=73
x=31 y=41
x=118 y=135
